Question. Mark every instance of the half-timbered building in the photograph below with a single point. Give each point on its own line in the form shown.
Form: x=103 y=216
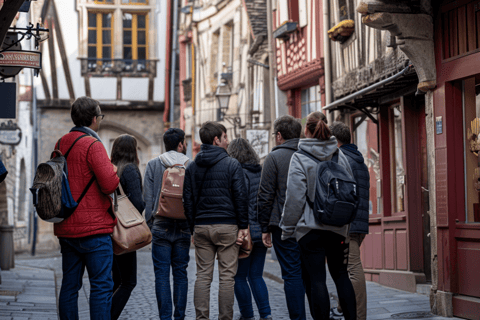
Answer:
x=298 y=48
x=378 y=88
x=223 y=45
x=112 y=51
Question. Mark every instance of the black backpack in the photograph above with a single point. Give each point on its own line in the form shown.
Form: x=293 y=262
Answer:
x=336 y=198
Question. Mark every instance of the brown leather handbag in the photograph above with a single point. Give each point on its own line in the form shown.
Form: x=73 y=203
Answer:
x=246 y=247
x=131 y=232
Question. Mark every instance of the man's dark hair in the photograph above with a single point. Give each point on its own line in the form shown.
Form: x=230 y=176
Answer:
x=210 y=130
x=172 y=137
x=83 y=110
x=342 y=132
x=288 y=126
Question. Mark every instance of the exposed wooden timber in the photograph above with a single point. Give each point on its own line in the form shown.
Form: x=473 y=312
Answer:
x=63 y=53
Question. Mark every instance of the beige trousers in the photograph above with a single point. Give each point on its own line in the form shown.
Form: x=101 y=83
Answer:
x=210 y=241
x=357 y=277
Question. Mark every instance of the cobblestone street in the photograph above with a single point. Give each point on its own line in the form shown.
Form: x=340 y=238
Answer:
x=32 y=274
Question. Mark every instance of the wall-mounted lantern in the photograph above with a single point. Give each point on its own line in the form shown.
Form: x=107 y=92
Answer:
x=223 y=94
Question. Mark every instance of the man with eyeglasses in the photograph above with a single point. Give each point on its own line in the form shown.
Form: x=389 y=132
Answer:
x=85 y=236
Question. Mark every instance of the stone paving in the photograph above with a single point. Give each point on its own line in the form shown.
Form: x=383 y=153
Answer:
x=30 y=292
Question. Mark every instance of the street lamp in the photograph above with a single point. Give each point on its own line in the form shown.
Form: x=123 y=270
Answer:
x=223 y=94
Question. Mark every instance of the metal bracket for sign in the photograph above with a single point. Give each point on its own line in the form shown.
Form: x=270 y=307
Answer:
x=28 y=33
x=10 y=133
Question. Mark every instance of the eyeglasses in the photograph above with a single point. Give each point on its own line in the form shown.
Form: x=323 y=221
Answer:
x=274 y=134
x=101 y=116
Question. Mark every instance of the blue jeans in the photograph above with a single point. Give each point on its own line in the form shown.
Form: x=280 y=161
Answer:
x=289 y=257
x=171 y=247
x=96 y=254
x=252 y=268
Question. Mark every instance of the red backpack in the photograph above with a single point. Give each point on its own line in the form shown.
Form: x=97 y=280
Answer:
x=170 y=204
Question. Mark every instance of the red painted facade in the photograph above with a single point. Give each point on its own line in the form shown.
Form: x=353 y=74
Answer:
x=458 y=237
x=299 y=59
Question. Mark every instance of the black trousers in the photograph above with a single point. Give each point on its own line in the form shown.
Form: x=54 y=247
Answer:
x=124 y=271
x=315 y=246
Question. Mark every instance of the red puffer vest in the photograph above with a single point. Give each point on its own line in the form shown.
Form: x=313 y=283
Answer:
x=87 y=158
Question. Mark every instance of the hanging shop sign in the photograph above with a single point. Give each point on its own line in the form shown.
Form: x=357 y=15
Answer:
x=10 y=133
x=12 y=62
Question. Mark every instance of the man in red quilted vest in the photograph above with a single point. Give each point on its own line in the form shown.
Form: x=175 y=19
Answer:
x=85 y=236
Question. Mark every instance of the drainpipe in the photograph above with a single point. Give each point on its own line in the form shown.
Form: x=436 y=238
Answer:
x=327 y=62
x=174 y=62
x=35 y=163
x=271 y=71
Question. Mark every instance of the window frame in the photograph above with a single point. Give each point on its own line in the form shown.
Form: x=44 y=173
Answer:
x=134 y=29
x=99 y=33
x=118 y=66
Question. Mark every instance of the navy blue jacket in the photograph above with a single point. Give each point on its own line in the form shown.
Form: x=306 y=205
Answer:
x=253 y=173
x=223 y=198
x=362 y=176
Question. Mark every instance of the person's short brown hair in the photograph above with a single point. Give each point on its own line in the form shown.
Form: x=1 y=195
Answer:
x=83 y=110
x=210 y=130
x=342 y=132
x=288 y=126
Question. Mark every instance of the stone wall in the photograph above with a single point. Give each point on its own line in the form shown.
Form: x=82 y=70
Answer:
x=146 y=126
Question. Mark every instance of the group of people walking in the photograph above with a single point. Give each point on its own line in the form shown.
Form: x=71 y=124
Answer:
x=228 y=196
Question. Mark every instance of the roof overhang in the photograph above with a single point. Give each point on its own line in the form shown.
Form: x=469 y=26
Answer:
x=380 y=93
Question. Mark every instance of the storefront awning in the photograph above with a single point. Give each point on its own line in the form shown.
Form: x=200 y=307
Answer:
x=382 y=92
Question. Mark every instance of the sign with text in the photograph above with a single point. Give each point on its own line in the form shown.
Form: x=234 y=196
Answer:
x=22 y=59
x=259 y=141
x=10 y=133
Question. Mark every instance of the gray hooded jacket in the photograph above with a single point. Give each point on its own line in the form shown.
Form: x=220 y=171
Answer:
x=152 y=183
x=297 y=217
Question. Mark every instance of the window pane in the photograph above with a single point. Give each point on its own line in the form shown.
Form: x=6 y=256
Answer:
x=304 y=96
x=92 y=20
x=107 y=20
x=142 y=53
x=127 y=20
x=471 y=128
x=92 y=36
x=141 y=38
x=398 y=170
x=127 y=53
x=107 y=52
x=92 y=52
x=106 y=37
x=366 y=139
x=141 y=21
x=127 y=37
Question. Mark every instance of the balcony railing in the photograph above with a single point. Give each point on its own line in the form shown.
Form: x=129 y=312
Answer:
x=118 y=67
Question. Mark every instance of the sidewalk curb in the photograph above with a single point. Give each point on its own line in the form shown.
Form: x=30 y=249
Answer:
x=54 y=279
